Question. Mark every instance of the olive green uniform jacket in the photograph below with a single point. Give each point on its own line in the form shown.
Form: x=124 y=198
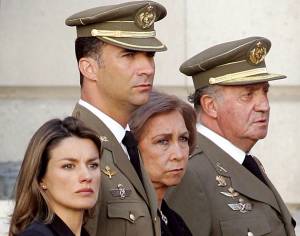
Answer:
x=132 y=215
x=198 y=199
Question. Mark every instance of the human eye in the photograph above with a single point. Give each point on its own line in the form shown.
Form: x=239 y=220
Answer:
x=247 y=95
x=68 y=166
x=163 y=142
x=184 y=139
x=93 y=165
x=128 y=53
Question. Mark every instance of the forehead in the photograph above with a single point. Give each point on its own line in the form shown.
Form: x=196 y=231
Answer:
x=171 y=120
x=73 y=147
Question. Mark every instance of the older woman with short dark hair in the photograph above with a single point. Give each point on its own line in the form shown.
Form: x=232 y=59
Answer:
x=165 y=129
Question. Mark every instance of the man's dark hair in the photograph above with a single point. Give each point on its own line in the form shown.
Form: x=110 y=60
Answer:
x=88 y=47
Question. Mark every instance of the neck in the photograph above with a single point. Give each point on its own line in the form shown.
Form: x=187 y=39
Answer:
x=160 y=193
x=244 y=144
x=73 y=219
x=119 y=112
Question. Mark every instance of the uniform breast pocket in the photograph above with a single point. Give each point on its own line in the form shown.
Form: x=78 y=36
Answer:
x=129 y=218
x=130 y=211
x=257 y=225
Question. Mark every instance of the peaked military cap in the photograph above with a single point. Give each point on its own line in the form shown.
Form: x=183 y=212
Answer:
x=233 y=63
x=128 y=25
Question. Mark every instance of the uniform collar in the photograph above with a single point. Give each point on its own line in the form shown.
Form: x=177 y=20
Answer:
x=233 y=151
x=117 y=130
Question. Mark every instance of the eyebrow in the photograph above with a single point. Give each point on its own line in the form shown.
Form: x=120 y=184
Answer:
x=170 y=134
x=76 y=160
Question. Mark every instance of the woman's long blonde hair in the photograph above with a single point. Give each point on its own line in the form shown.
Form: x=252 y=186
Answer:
x=30 y=200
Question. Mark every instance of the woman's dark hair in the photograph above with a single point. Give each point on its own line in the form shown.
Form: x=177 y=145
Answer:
x=163 y=103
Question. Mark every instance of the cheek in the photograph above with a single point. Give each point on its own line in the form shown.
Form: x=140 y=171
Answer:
x=59 y=181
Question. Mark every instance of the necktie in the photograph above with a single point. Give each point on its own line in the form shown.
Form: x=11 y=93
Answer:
x=131 y=146
x=252 y=166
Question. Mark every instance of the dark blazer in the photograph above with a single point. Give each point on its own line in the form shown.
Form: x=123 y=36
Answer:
x=175 y=225
x=56 y=228
x=136 y=212
x=209 y=207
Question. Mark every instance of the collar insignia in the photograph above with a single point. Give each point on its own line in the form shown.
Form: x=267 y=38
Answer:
x=220 y=167
x=103 y=138
x=221 y=181
x=109 y=172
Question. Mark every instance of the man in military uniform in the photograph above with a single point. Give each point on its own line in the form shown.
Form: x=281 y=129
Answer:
x=115 y=47
x=225 y=190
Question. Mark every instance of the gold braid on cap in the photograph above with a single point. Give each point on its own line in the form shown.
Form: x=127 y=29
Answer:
x=122 y=34
x=233 y=76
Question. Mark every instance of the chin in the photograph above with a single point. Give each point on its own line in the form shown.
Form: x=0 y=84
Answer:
x=86 y=205
x=173 y=182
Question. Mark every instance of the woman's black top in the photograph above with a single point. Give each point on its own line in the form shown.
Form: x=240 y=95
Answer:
x=56 y=228
x=171 y=223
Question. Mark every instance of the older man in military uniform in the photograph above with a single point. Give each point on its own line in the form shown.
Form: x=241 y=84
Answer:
x=225 y=190
x=115 y=49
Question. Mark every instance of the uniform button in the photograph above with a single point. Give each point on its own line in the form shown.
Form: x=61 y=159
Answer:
x=132 y=217
x=154 y=219
x=250 y=234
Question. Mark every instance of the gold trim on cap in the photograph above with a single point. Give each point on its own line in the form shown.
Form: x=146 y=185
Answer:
x=233 y=76
x=134 y=45
x=122 y=34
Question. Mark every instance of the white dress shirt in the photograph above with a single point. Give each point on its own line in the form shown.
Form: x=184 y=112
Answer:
x=233 y=151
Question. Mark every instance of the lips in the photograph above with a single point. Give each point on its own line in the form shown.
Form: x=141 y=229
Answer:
x=176 y=170
x=85 y=190
x=143 y=85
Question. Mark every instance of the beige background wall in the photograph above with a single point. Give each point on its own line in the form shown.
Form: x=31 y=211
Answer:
x=39 y=78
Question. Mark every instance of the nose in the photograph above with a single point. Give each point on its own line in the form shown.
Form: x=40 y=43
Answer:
x=85 y=175
x=146 y=65
x=179 y=152
x=262 y=103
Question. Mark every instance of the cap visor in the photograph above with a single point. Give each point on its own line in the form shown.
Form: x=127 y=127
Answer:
x=253 y=79
x=138 y=44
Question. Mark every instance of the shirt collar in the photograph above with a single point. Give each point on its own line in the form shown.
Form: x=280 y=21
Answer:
x=236 y=153
x=117 y=129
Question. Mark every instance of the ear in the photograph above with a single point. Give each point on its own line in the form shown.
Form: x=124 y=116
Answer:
x=88 y=68
x=209 y=105
x=43 y=185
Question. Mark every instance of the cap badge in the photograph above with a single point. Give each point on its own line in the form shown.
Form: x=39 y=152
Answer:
x=145 y=17
x=257 y=54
